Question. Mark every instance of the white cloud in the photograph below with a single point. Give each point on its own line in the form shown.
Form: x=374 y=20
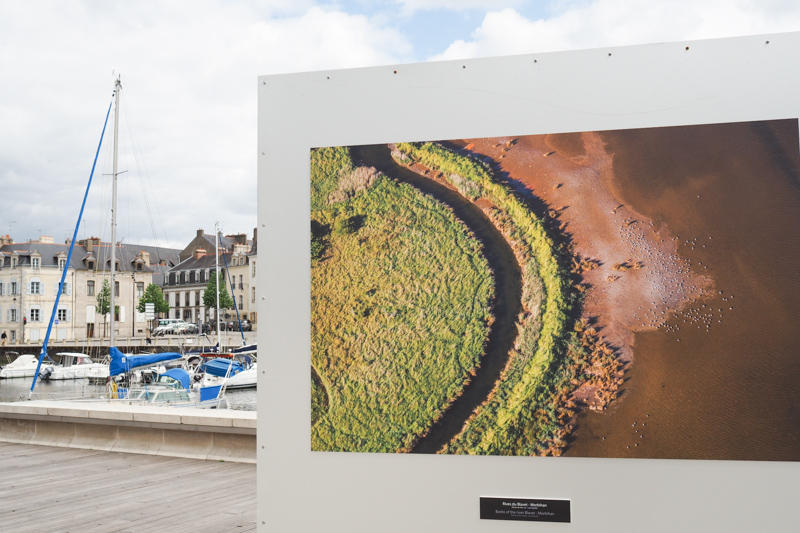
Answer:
x=622 y=22
x=189 y=76
x=457 y=5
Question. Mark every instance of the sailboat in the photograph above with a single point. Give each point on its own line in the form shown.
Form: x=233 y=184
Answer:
x=236 y=370
x=121 y=364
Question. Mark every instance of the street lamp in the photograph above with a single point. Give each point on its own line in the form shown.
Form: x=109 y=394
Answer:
x=22 y=337
x=133 y=304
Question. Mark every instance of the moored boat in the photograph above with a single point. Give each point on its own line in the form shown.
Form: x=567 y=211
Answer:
x=73 y=366
x=24 y=366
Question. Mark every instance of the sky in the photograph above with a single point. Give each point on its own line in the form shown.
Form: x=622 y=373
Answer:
x=189 y=74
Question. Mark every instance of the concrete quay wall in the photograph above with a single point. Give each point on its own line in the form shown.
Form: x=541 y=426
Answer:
x=215 y=435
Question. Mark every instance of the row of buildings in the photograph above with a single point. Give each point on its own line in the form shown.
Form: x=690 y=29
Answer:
x=31 y=272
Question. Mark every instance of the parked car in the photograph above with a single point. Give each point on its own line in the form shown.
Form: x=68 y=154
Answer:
x=174 y=327
x=233 y=325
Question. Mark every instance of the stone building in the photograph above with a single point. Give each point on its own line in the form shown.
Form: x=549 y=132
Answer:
x=186 y=282
x=30 y=277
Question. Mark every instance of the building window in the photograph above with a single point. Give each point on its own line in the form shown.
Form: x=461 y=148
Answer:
x=63 y=289
x=35 y=263
x=254 y=295
x=12 y=315
x=2 y=285
x=116 y=289
x=35 y=287
x=62 y=263
x=13 y=262
x=34 y=315
x=139 y=289
x=90 y=288
x=62 y=315
x=241 y=301
x=13 y=290
x=254 y=269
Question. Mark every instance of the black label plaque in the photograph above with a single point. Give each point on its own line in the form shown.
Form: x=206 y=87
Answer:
x=525 y=509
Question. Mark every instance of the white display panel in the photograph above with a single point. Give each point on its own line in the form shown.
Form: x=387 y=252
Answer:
x=705 y=82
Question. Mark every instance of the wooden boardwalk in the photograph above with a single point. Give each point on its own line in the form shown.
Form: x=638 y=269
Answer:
x=46 y=489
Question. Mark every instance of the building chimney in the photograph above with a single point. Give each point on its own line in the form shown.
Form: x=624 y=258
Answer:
x=198 y=253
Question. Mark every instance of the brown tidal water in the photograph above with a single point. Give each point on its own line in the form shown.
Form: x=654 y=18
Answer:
x=720 y=379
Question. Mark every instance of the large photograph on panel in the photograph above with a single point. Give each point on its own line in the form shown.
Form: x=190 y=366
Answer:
x=629 y=293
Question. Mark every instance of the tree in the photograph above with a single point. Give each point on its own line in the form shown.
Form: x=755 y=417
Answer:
x=210 y=295
x=103 y=300
x=153 y=295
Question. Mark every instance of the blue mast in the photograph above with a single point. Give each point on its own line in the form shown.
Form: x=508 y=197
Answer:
x=69 y=257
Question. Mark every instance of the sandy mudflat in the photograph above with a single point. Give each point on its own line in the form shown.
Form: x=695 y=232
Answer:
x=573 y=174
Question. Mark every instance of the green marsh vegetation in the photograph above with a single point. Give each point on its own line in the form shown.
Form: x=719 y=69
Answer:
x=401 y=301
x=529 y=410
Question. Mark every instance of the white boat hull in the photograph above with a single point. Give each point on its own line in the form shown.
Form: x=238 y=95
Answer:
x=243 y=380
x=22 y=367
x=76 y=371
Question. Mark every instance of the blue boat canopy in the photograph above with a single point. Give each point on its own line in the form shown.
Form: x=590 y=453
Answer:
x=180 y=375
x=121 y=363
x=219 y=367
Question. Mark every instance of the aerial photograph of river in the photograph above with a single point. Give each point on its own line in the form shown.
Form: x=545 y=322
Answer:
x=621 y=294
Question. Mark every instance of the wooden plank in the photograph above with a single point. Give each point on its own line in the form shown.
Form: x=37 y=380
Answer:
x=51 y=489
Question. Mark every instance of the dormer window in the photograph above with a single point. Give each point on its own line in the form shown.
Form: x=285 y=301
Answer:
x=13 y=262
x=35 y=263
x=62 y=263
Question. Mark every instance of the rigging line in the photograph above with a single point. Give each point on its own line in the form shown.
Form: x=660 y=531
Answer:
x=233 y=295
x=105 y=199
x=145 y=179
x=69 y=258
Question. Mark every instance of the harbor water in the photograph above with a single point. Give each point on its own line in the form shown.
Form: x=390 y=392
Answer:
x=14 y=390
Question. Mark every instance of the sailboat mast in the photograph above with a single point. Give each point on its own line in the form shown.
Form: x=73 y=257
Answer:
x=216 y=248
x=117 y=89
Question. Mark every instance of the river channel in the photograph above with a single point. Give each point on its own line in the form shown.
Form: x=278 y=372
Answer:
x=508 y=293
